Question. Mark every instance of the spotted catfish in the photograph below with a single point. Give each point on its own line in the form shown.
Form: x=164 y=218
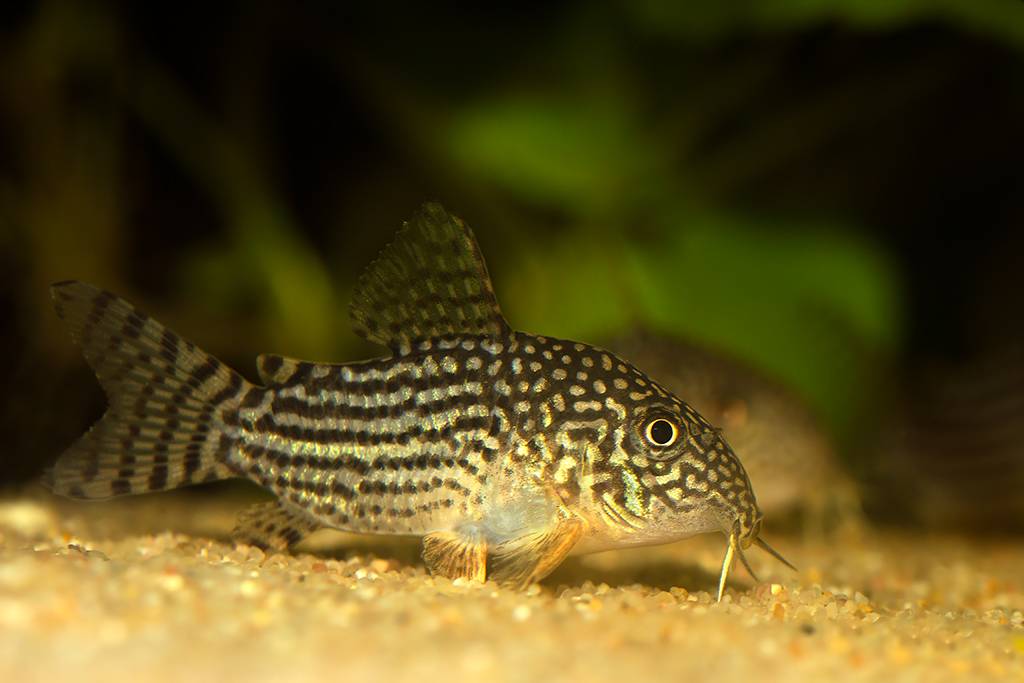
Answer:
x=505 y=451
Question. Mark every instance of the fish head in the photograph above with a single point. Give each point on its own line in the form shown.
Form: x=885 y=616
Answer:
x=694 y=481
x=648 y=467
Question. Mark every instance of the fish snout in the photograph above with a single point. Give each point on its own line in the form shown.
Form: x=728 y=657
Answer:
x=749 y=527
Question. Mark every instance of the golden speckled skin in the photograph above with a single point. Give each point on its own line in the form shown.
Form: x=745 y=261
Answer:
x=505 y=450
x=480 y=431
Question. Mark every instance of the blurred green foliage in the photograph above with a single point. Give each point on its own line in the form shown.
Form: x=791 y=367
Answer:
x=788 y=300
x=583 y=155
x=999 y=19
x=783 y=295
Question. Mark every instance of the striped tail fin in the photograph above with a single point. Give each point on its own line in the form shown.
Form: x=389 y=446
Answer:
x=172 y=418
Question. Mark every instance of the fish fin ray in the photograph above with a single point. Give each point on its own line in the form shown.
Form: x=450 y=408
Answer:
x=431 y=281
x=456 y=554
x=164 y=426
x=529 y=558
x=273 y=526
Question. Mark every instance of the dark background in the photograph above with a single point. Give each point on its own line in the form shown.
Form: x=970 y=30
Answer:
x=830 y=191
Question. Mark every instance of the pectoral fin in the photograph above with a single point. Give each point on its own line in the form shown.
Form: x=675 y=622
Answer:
x=529 y=558
x=456 y=554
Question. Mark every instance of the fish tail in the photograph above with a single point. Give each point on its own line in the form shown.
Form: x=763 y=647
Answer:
x=173 y=409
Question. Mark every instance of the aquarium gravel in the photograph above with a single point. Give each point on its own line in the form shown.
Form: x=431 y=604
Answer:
x=149 y=589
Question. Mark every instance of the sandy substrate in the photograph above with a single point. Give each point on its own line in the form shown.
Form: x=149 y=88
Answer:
x=148 y=589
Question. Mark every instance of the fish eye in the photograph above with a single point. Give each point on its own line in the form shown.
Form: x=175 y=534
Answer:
x=660 y=432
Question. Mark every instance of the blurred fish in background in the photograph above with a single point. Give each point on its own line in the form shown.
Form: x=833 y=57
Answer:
x=828 y=194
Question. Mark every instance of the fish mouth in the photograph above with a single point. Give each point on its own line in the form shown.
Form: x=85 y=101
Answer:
x=752 y=534
x=738 y=542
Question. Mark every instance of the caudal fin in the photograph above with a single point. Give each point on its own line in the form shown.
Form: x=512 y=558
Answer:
x=169 y=422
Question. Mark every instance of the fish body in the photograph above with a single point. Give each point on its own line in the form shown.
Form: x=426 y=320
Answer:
x=506 y=451
x=482 y=429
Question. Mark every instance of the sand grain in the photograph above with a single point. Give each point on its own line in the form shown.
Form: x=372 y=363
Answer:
x=106 y=592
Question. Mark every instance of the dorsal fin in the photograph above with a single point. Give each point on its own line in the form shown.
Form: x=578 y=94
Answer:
x=429 y=282
x=274 y=369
